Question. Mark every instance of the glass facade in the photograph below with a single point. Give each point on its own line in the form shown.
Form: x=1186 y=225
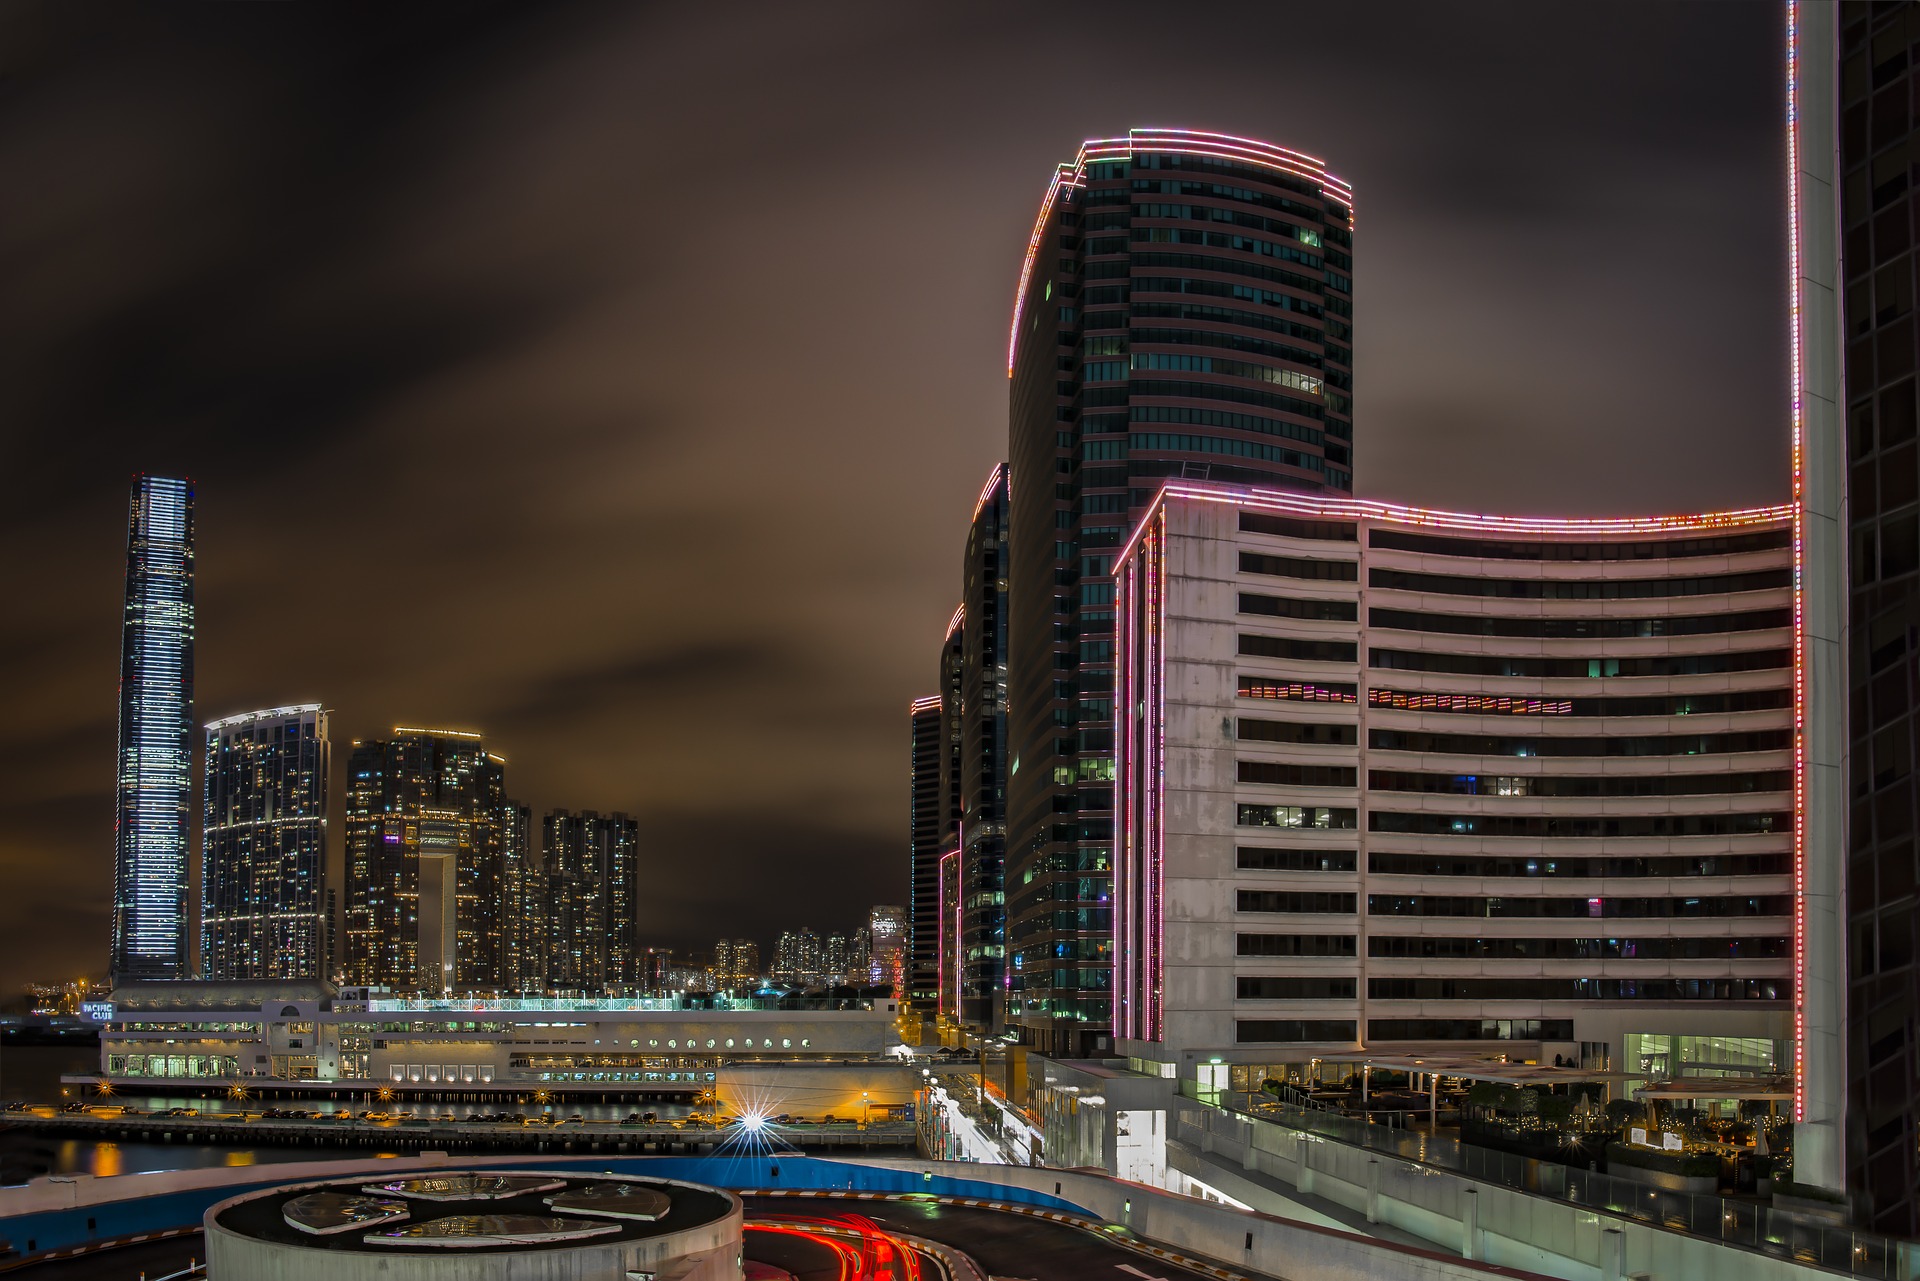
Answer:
x=426 y=829
x=154 y=785
x=1880 y=158
x=927 y=834
x=264 y=845
x=589 y=871
x=982 y=716
x=1186 y=310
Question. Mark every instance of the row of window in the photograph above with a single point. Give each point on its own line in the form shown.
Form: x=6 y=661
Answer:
x=1306 y=816
x=1177 y=363
x=1297 y=691
x=1228 y=267
x=1180 y=388
x=1294 y=945
x=1661 y=549
x=1249 y=987
x=1751 y=700
x=1550 y=908
x=1343 y=531
x=1285 y=775
x=1338 y=571
x=1187 y=416
x=1310 y=651
x=1545 y=826
x=1170 y=443
x=1330 y=611
x=1580 y=784
x=1668 y=948
x=1264 y=199
x=1266 y=859
x=1579 y=628
x=1588 y=989
x=1223 y=240
x=1215 y=338
x=1238 y=217
x=1652 y=665
x=1424 y=864
x=1581 y=588
x=1481 y=906
x=1597 y=745
x=1216 y=289
x=1207 y=312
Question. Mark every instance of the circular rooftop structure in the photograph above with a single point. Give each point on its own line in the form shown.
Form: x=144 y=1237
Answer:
x=478 y=1224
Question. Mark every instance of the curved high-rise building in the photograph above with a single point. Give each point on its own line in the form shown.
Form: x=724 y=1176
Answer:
x=1185 y=310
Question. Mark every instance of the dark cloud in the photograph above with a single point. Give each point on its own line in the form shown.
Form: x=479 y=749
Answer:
x=617 y=380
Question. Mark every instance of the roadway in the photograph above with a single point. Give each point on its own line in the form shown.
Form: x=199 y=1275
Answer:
x=1008 y=1246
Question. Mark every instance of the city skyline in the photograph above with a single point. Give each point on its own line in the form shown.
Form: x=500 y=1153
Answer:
x=866 y=621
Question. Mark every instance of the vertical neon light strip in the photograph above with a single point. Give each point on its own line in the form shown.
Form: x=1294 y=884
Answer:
x=1799 y=570
x=1153 y=773
x=959 y=924
x=1124 y=843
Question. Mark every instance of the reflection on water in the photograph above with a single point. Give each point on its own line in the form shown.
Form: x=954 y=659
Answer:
x=239 y=1158
x=106 y=1160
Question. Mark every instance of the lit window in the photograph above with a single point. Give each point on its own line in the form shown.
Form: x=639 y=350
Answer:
x=786 y=1043
x=805 y=1043
x=729 y=1043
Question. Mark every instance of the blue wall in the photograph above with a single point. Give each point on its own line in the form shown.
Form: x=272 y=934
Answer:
x=57 y=1229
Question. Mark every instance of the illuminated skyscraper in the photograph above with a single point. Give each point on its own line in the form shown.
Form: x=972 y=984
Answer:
x=263 y=846
x=524 y=889
x=1185 y=310
x=155 y=780
x=927 y=835
x=588 y=876
x=981 y=710
x=427 y=822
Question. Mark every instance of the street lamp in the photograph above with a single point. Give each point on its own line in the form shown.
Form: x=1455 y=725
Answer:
x=866 y=1108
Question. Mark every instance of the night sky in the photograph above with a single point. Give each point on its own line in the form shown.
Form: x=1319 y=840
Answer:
x=618 y=380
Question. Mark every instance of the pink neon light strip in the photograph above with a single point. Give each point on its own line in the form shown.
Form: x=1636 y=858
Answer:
x=925 y=704
x=994 y=480
x=959 y=618
x=1319 y=507
x=1799 y=509
x=1185 y=142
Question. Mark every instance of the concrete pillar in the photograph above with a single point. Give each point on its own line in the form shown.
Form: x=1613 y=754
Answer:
x=1247 y=1160
x=1470 y=1225
x=1613 y=1254
x=1373 y=1191
x=1820 y=597
x=1305 y=1181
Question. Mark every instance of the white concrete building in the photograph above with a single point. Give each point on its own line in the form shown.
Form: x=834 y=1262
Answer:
x=1408 y=782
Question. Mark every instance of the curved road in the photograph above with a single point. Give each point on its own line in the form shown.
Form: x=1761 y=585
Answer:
x=1008 y=1246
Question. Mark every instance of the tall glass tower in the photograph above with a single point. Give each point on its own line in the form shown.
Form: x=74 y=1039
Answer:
x=263 y=846
x=1185 y=310
x=155 y=784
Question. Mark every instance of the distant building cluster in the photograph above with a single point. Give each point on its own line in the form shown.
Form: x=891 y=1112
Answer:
x=446 y=885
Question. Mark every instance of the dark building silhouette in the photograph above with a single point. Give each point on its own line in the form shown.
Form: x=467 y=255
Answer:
x=982 y=713
x=1878 y=49
x=1185 y=310
x=927 y=833
x=426 y=829
x=263 y=847
x=154 y=782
